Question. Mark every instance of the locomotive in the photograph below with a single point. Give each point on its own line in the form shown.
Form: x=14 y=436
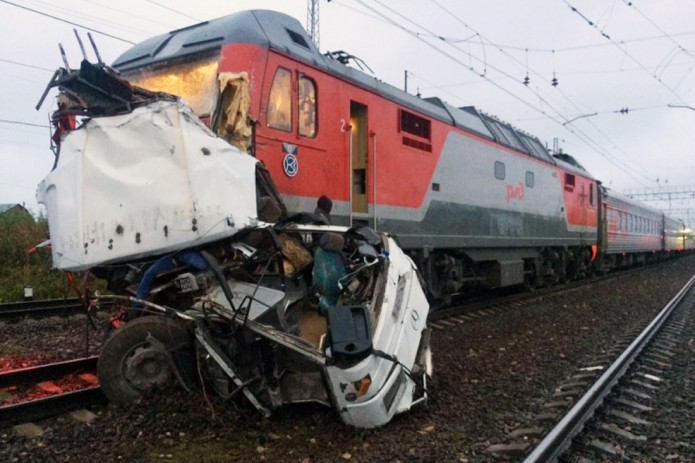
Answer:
x=184 y=188
x=473 y=200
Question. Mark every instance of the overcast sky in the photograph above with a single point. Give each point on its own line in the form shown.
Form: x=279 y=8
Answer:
x=607 y=55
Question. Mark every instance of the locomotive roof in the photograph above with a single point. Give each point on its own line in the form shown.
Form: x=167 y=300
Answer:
x=570 y=164
x=285 y=34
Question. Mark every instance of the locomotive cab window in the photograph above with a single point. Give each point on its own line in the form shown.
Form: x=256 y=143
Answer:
x=280 y=101
x=306 y=93
x=569 y=182
x=193 y=79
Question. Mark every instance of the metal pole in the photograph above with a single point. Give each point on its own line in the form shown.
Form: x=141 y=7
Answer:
x=374 y=180
x=350 y=178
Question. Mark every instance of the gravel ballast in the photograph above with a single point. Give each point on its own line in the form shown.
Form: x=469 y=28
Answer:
x=491 y=376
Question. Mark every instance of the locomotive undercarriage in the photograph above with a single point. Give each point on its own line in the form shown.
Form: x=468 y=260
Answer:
x=625 y=260
x=453 y=272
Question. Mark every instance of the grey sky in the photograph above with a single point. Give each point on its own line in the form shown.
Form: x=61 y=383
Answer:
x=636 y=55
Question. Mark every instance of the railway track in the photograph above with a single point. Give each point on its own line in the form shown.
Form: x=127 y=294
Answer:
x=612 y=415
x=43 y=391
x=28 y=410
x=13 y=311
x=496 y=302
x=41 y=308
x=498 y=383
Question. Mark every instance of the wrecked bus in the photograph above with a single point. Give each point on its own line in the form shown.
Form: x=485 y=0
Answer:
x=212 y=279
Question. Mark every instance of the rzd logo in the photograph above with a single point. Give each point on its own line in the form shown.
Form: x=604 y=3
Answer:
x=515 y=192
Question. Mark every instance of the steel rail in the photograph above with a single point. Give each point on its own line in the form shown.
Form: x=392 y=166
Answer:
x=560 y=437
x=47 y=371
x=49 y=406
x=511 y=295
x=52 y=405
x=41 y=308
x=38 y=302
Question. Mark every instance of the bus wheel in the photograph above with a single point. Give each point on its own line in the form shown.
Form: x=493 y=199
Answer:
x=145 y=354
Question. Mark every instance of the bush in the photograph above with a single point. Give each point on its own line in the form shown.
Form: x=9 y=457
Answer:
x=19 y=232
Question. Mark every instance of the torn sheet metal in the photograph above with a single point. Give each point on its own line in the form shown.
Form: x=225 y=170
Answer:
x=234 y=125
x=347 y=330
x=147 y=182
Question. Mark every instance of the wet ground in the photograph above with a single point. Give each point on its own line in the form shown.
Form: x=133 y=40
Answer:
x=490 y=375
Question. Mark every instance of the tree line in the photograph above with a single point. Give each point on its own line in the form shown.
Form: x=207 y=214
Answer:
x=21 y=264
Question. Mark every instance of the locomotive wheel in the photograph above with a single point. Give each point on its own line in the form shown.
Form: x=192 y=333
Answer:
x=531 y=279
x=551 y=272
x=143 y=355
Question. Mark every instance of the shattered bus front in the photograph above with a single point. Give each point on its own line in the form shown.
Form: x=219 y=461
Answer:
x=179 y=223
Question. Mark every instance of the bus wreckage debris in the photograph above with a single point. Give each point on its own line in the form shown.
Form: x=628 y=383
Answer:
x=212 y=276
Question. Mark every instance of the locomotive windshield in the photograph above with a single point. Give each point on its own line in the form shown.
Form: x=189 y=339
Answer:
x=192 y=79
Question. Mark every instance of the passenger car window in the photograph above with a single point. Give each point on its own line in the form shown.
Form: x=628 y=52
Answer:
x=307 y=107
x=280 y=101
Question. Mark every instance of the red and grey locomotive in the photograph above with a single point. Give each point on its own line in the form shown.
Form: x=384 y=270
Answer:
x=472 y=199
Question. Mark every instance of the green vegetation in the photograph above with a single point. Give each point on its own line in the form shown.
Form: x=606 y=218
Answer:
x=19 y=232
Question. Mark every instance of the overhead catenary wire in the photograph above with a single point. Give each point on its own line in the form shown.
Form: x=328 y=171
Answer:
x=173 y=10
x=575 y=48
x=624 y=50
x=103 y=20
x=537 y=89
x=595 y=146
x=31 y=66
x=97 y=31
x=575 y=131
x=680 y=47
x=30 y=124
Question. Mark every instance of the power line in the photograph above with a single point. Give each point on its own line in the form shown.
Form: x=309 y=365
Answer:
x=587 y=140
x=25 y=65
x=624 y=50
x=680 y=47
x=82 y=14
x=173 y=10
x=72 y=23
x=665 y=36
x=575 y=131
x=482 y=74
x=9 y=121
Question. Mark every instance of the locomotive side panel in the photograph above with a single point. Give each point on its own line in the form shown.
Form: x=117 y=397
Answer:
x=484 y=196
x=467 y=194
x=477 y=193
x=358 y=148
x=304 y=162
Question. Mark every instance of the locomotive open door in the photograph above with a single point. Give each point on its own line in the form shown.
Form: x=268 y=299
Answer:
x=359 y=148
